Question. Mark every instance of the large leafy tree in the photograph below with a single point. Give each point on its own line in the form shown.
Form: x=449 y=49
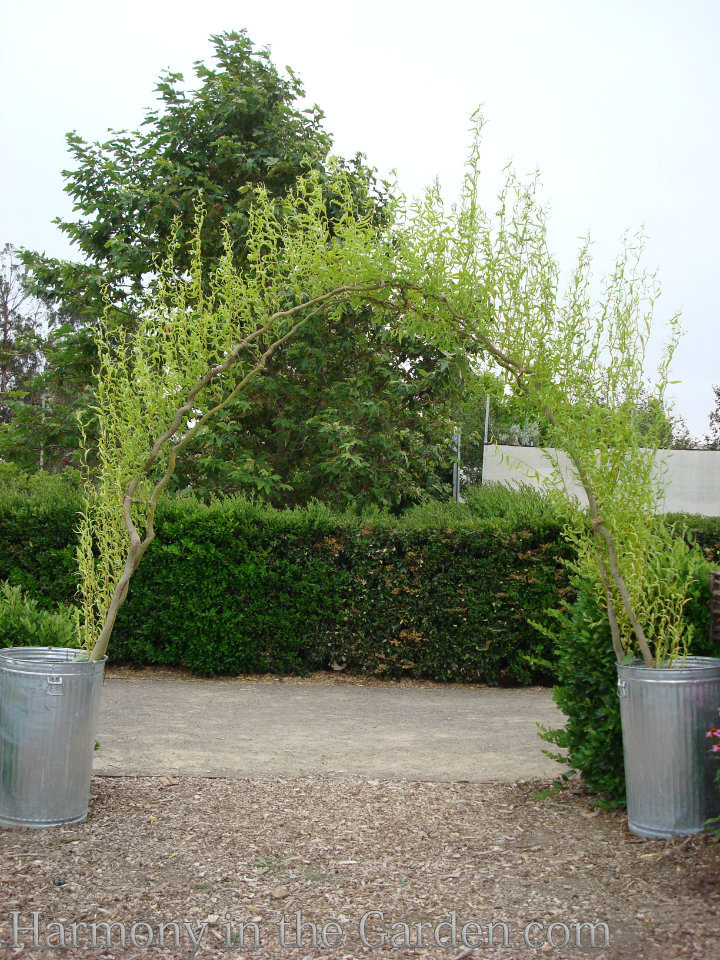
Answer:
x=348 y=413
x=241 y=126
x=345 y=414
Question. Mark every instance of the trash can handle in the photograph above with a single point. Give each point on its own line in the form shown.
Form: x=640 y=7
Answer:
x=54 y=687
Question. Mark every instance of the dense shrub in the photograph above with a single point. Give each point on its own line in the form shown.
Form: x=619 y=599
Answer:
x=520 y=503
x=586 y=687
x=38 y=515
x=24 y=624
x=704 y=531
x=586 y=692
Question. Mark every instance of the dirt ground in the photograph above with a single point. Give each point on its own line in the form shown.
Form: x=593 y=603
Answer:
x=167 y=721
x=378 y=867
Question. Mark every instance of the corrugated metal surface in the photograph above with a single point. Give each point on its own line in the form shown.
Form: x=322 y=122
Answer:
x=669 y=765
x=48 y=715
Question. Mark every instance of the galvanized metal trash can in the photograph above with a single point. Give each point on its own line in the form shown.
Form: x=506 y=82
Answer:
x=48 y=715
x=669 y=764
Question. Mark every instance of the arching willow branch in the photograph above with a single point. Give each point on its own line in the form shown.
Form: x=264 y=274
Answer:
x=137 y=543
x=525 y=379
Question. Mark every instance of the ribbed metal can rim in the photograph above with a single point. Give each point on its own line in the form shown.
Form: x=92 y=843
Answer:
x=44 y=659
x=692 y=668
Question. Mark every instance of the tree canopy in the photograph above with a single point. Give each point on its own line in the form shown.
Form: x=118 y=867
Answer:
x=346 y=413
x=240 y=126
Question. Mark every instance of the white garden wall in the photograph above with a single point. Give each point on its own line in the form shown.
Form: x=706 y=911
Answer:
x=693 y=476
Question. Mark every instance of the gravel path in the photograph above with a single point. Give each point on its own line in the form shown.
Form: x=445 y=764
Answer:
x=171 y=723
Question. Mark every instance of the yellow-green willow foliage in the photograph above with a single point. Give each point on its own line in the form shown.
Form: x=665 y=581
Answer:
x=581 y=364
x=457 y=277
x=200 y=341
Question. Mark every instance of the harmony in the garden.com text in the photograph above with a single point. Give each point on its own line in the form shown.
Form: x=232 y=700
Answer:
x=372 y=930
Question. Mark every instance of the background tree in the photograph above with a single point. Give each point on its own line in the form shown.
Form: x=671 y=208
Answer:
x=713 y=438
x=655 y=421
x=243 y=125
x=345 y=414
x=21 y=323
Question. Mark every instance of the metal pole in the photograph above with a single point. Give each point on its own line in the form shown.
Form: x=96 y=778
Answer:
x=456 y=466
x=42 y=420
x=485 y=437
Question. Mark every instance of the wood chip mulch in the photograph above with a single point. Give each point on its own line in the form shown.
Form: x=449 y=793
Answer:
x=414 y=859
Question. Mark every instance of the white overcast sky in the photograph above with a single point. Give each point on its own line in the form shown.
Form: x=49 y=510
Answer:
x=615 y=101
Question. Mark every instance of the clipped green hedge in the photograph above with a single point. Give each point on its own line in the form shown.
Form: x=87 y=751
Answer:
x=232 y=588
x=446 y=591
